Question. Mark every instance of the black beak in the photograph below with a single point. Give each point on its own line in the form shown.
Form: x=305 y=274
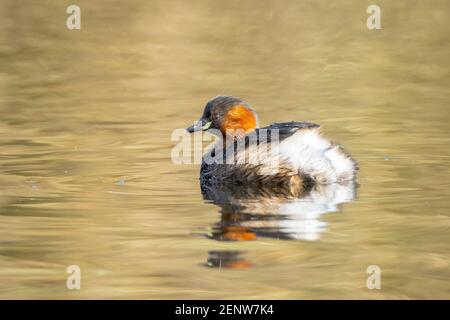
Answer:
x=192 y=128
x=201 y=125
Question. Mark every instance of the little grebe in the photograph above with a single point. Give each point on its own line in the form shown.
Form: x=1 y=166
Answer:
x=299 y=158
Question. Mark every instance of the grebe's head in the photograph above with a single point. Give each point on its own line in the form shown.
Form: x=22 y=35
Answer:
x=231 y=115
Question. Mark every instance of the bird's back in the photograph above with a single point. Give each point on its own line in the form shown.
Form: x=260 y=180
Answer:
x=292 y=156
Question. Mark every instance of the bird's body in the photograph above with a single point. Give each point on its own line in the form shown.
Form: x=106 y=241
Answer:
x=288 y=158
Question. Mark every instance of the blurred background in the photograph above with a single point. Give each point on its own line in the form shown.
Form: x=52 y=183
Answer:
x=86 y=118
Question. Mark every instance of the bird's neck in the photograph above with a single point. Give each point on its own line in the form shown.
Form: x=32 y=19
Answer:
x=237 y=122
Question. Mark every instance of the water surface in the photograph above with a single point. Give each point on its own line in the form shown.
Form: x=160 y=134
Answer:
x=85 y=159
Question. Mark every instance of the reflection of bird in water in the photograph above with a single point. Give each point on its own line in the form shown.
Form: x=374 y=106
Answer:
x=274 y=181
x=247 y=218
x=289 y=158
x=227 y=259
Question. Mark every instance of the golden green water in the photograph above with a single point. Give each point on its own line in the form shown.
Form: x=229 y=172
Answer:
x=85 y=159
